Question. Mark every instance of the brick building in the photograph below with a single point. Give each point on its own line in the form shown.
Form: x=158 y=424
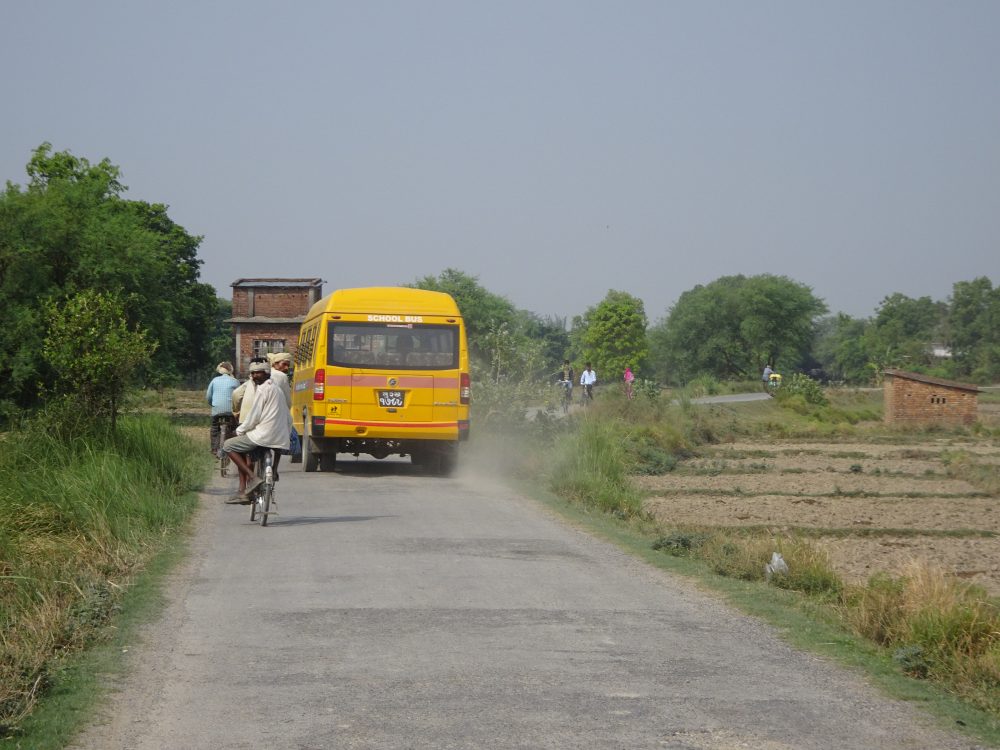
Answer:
x=914 y=398
x=267 y=314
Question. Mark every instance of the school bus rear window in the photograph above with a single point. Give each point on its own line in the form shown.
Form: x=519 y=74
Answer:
x=378 y=345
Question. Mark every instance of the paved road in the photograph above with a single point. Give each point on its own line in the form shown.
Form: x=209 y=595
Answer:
x=385 y=609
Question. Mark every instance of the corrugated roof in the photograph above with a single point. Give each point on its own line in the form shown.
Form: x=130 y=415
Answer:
x=933 y=381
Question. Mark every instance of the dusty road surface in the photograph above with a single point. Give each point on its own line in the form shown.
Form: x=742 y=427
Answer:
x=386 y=609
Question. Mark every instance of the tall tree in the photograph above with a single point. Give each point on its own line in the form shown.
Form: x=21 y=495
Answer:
x=69 y=230
x=481 y=309
x=840 y=348
x=974 y=329
x=612 y=334
x=903 y=330
x=731 y=327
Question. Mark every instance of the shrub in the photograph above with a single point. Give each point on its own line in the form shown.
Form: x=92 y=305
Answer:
x=591 y=467
x=802 y=385
x=681 y=543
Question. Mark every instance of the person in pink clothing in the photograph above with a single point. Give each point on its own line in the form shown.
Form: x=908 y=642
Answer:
x=629 y=378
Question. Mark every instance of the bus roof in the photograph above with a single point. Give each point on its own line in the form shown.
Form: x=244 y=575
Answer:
x=386 y=299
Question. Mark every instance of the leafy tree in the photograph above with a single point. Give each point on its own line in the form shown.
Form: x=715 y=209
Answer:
x=481 y=309
x=902 y=331
x=93 y=353
x=222 y=343
x=840 y=348
x=69 y=230
x=974 y=329
x=733 y=326
x=612 y=334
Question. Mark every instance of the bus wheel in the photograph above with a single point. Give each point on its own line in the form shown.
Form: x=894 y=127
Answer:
x=328 y=461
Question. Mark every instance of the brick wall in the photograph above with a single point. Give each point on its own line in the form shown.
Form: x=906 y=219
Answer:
x=247 y=333
x=270 y=302
x=912 y=401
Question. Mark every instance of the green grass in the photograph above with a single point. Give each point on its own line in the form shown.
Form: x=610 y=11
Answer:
x=80 y=681
x=81 y=517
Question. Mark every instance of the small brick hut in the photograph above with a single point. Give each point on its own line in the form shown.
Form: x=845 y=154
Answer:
x=267 y=314
x=912 y=398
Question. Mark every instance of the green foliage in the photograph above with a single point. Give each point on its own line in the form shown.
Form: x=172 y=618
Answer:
x=648 y=390
x=904 y=332
x=612 y=335
x=840 y=349
x=681 y=543
x=93 y=354
x=731 y=327
x=480 y=308
x=70 y=230
x=489 y=316
x=798 y=384
x=80 y=517
x=939 y=627
x=590 y=467
x=974 y=330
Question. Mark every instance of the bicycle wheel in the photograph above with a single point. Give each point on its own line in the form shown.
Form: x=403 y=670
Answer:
x=266 y=490
x=258 y=470
x=266 y=496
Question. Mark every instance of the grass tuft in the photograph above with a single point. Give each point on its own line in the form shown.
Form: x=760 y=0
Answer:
x=80 y=517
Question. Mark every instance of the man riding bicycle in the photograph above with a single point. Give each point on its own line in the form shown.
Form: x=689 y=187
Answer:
x=266 y=425
x=220 y=396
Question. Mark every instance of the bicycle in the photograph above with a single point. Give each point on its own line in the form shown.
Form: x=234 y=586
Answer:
x=262 y=498
x=223 y=428
x=567 y=394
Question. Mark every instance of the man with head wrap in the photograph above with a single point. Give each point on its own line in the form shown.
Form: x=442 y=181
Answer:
x=281 y=363
x=265 y=425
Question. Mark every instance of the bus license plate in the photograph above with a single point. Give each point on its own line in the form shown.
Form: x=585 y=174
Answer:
x=390 y=398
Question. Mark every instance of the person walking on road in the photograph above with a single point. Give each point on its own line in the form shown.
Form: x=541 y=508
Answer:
x=766 y=377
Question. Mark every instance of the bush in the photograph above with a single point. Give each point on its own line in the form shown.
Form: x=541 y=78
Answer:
x=681 y=543
x=802 y=386
x=591 y=467
x=940 y=627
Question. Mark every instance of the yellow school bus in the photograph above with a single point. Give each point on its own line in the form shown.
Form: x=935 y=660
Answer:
x=382 y=371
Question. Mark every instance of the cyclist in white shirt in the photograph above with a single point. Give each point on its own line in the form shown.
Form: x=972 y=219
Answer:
x=264 y=426
x=587 y=379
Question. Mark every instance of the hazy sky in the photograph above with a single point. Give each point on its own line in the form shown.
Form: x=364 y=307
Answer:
x=556 y=150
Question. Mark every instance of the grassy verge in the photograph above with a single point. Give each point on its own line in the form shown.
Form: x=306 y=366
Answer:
x=81 y=518
x=921 y=636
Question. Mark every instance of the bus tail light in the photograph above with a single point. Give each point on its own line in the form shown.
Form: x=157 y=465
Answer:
x=465 y=389
x=319 y=385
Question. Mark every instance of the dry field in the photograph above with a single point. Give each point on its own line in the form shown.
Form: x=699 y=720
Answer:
x=872 y=506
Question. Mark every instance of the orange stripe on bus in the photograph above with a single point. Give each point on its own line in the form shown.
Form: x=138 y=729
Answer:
x=411 y=425
x=402 y=381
